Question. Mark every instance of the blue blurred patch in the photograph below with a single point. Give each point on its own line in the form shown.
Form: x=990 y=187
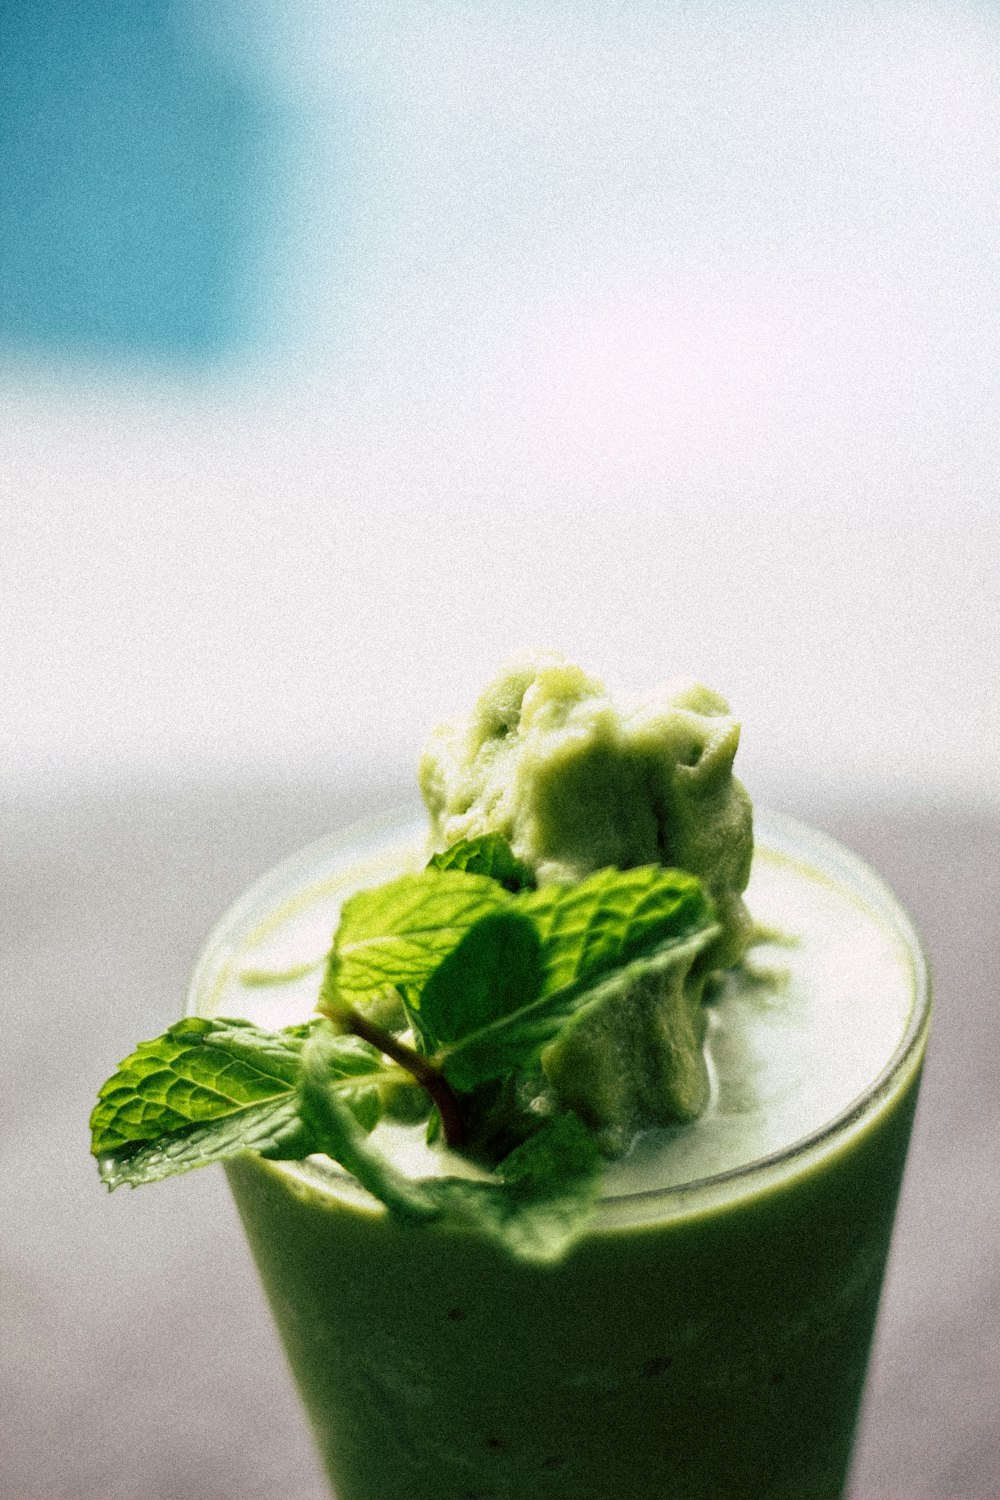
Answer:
x=134 y=183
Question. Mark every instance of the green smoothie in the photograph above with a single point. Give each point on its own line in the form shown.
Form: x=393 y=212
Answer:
x=570 y=1164
x=709 y=1335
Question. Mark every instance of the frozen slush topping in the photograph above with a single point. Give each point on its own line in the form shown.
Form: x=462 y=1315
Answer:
x=577 y=783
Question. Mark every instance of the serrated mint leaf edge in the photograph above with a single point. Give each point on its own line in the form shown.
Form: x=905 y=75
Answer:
x=273 y=1129
x=213 y=1069
x=272 y=1126
x=612 y=917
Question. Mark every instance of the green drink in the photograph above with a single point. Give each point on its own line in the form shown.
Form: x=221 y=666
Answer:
x=708 y=1334
x=569 y=1171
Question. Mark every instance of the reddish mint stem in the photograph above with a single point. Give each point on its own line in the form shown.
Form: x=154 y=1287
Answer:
x=423 y=1070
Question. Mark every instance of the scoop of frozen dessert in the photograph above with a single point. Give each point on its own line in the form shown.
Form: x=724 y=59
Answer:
x=576 y=783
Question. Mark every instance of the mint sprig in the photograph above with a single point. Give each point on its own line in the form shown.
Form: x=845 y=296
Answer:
x=544 y=1192
x=504 y=988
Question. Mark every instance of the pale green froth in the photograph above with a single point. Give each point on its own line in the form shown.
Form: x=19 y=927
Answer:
x=788 y=1052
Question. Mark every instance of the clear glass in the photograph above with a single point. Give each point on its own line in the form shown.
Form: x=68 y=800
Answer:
x=705 y=1339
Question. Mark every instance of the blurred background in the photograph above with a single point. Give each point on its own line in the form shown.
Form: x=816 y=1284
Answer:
x=346 y=350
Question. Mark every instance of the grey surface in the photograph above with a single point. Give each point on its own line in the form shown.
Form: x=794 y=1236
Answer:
x=137 y=1358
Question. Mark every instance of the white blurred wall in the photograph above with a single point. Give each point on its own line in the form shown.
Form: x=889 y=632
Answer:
x=660 y=334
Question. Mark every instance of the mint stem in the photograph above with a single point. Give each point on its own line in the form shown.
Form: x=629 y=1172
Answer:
x=422 y=1069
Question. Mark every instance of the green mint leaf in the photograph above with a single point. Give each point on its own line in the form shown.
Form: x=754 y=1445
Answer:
x=488 y=854
x=502 y=1113
x=397 y=934
x=336 y=1130
x=547 y=1190
x=206 y=1090
x=198 y=1070
x=494 y=969
x=273 y=1129
x=361 y=1077
x=589 y=932
x=560 y=1152
x=611 y=918
x=631 y=1055
x=510 y=1043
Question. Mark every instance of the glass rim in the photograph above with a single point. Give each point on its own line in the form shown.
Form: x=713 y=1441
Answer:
x=791 y=837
